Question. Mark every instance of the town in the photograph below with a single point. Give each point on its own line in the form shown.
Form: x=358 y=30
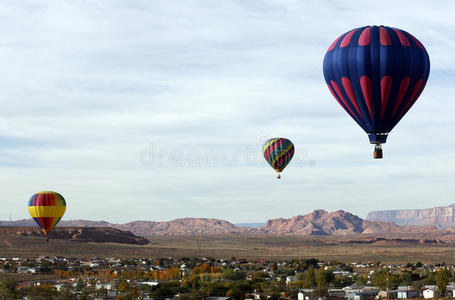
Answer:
x=219 y=279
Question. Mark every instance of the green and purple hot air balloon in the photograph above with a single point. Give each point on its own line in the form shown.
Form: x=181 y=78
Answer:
x=278 y=152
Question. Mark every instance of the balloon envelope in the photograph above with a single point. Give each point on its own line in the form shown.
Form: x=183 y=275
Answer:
x=376 y=73
x=47 y=208
x=278 y=152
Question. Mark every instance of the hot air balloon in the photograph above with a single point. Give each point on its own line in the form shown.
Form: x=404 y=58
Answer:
x=278 y=152
x=47 y=208
x=376 y=73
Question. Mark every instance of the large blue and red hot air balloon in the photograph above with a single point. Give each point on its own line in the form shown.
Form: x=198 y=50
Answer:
x=376 y=73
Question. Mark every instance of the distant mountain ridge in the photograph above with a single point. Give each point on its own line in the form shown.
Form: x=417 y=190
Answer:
x=252 y=225
x=182 y=226
x=441 y=217
x=318 y=222
x=79 y=234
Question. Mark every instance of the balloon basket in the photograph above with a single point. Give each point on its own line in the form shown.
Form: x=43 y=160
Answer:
x=279 y=176
x=377 y=151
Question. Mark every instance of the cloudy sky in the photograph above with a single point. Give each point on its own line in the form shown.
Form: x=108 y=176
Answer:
x=155 y=110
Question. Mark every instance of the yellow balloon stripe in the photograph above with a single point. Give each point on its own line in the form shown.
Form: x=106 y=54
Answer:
x=282 y=154
x=270 y=143
x=46 y=211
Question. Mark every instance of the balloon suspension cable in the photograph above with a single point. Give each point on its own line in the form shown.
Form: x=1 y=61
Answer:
x=377 y=151
x=279 y=176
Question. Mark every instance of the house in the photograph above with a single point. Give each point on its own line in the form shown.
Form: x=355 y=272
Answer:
x=59 y=286
x=430 y=293
x=405 y=292
x=341 y=273
x=408 y=294
x=290 y=279
x=305 y=294
x=362 y=295
x=338 y=293
x=356 y=292
x=108 y=286
x=149 y=283
x=259 y=296
x=389 y=294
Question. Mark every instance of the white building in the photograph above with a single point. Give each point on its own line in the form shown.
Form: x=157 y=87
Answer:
x=305 y=294
x=290 y=279
x=405 y=292
x=108 y=286
x=430 y=293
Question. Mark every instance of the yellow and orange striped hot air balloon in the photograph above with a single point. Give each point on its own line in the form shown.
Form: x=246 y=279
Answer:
x=47 y=208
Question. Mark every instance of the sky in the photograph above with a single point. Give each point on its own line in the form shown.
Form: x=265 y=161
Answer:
x=156 y=110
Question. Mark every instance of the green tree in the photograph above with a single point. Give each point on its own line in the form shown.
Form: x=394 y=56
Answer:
x=442 y=279
x=235 y=293
x=79 y=285
x=406 y=278
x=101 y=293
x=122 y=286
x=66 y=294
x=164 y=290
x=239 y=288
x=322 y=280
x=324 y=277
x=46 y=266
x=8 y=289
x=41 y=292
x=260 y=276
x=385 y=279
x=343 y=281
x=230 y=274
x=84 y=295
x=217 y=289
x=310 y=279
x=361 y=279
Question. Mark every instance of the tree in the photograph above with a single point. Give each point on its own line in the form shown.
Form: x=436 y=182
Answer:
x=310 y=280
x=84 y=295
x=122 y=286
x=322 y=279
x=164 y=290
x=235 y=293
x=66 y=294
x=80 y=285
x=41 y=292
x=406 y=278
x=230 y=274
x=442 y=279
x=46 y=266
x=385 y=279
x=8 y=289
x=217 y=289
